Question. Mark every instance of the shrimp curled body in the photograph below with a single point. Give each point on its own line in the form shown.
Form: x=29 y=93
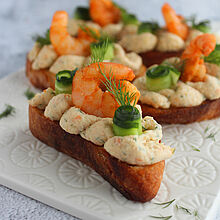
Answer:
x=62 y=41
x=104 y=12
x=194 y=67
x=175 y=23
x=88 y=94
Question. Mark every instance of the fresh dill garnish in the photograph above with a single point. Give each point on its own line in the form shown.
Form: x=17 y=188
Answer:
x=195 y=148
x=212 y=136
x=43 y=40
x=100 y=49
x=165 y=204
x=29 y=94
x=161 y=217
x=151 y=27
x=203 y=26
x=206 y=129
x=196 y=214
x=89 y=31
x=118 y=90
x=9 y=110
x=214 y=56
x=184 y=209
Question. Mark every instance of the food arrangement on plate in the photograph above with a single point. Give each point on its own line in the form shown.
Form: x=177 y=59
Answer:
x=96 y=88
x=103 y=129
x=186 y=89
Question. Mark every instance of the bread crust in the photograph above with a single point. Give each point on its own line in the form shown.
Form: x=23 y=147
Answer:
x=209 y=109
x=42 y=78
x=138 y=183
x=157 y=57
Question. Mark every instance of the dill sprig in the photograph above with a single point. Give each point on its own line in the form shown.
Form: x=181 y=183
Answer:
x=211 y=136
x=203 y=26
x=29 y=94
x=165 y=204
x=118 y=90
x=99 y=50
x=206 y=129
x=43 y=40
x=89 y=31
x=161 y=217
x=195 y=213
x=184 y=209
x=195 y=148
x=9 y=110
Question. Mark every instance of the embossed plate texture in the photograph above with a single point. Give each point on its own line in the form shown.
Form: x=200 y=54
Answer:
x=192 y=177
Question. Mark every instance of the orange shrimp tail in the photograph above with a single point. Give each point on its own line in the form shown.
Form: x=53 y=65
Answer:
x=86 y=36
x=202 y=45
x=194 y=67
x=174 y=23
x=194 y=70
x=62 y=41
x=104 y=12
x=88 y=93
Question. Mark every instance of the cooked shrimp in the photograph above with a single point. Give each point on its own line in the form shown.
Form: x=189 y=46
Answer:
x=62 y=41
x=88 y=95
x=104 y=12
x=194 y=67
x=174 y=23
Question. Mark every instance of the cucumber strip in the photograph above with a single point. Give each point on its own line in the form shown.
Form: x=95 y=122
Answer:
x=161 y=77
x=127 y=121
x=63 y=83
x=82 y=13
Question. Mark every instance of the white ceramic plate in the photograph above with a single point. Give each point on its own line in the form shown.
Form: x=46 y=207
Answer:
x=30 y=167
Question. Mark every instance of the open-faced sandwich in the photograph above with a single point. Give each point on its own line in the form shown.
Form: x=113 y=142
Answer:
x=70 y=41
x=92 y=116
x=186 y=89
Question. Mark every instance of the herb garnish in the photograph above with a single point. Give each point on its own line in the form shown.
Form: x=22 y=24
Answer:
x=188 y=211
x=29 y=94
x=214 y=56
x=161 y=217
x=165 y=204
x=212 y=136
x=203 y=26
x=89 y=31
x=151 y=27
x=118 y=90
x=43 y=40
x=9 y=110
x=99 y=50
x=184 y=209
x=195 y=148
x=206 y=129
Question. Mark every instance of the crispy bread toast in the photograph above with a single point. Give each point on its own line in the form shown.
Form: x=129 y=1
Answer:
x=209 y=109
x=138 y=183
x=157 y=57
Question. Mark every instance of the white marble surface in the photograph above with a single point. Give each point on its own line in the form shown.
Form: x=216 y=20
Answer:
x=19 y=21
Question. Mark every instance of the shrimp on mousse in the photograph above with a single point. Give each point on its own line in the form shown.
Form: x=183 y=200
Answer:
x=88 y=93
x=194 y=68
x=63 y=42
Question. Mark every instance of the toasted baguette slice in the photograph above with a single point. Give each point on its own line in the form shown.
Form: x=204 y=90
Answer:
x=43 y=78
x=157 y=57
x=209 y=109
x=138 y=183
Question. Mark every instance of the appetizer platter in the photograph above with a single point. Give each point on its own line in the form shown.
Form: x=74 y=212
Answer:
x=191 y=177
x=186 y=89
x=133 y=43
x=91 y=143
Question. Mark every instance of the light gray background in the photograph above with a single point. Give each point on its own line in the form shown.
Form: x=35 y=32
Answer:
x=19 y=21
